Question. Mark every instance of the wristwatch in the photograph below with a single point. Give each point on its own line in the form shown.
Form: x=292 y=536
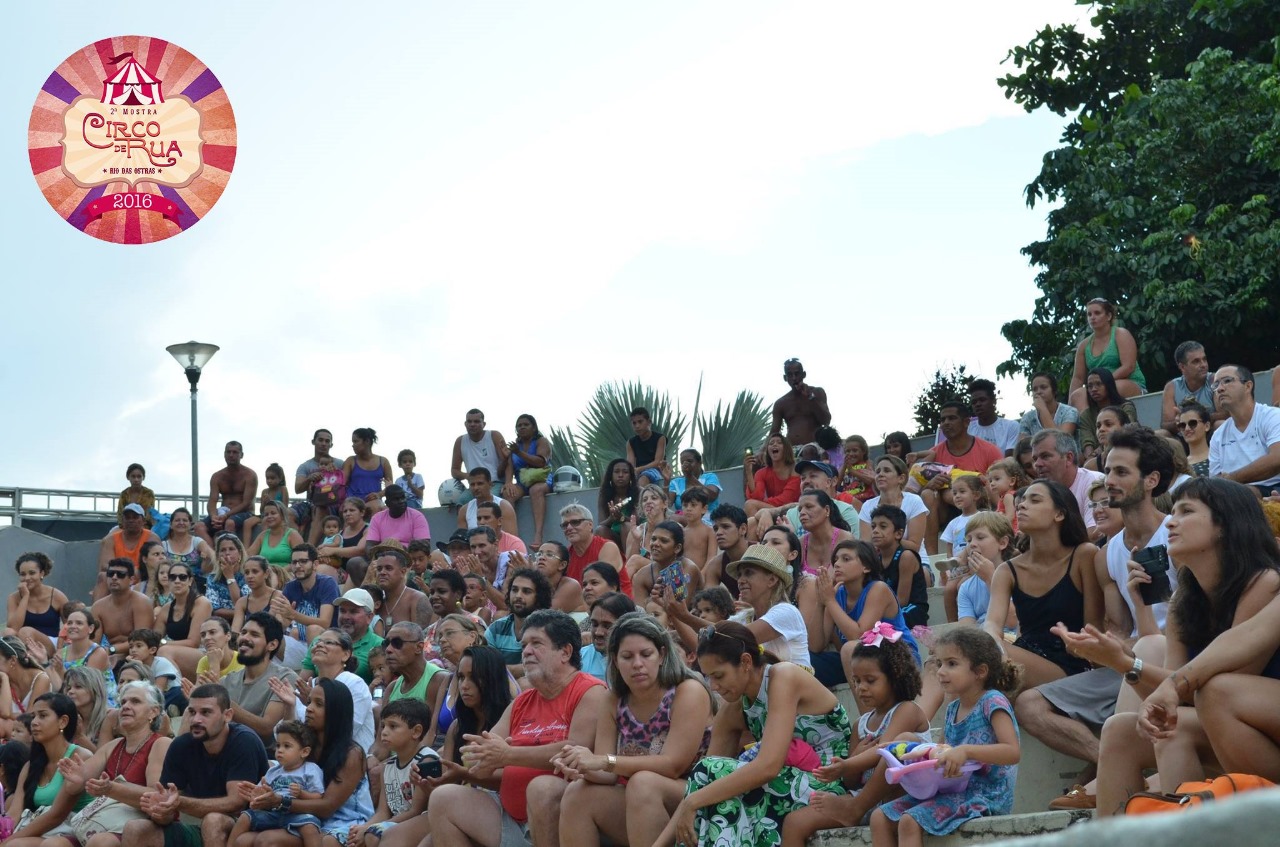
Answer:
x=1134 y=673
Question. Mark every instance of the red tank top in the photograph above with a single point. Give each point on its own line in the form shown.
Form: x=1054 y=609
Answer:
x=577 y=564
x=131 y=766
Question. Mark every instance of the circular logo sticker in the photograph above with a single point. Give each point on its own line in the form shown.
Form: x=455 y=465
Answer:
x=132 y=140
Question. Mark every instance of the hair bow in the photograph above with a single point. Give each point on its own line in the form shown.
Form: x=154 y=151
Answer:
x=879 y=633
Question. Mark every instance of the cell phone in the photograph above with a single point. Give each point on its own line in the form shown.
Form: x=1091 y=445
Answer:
x=377 y=693
x=1155 y=561
x=430 y=768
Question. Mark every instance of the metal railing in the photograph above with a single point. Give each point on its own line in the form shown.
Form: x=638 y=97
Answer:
x=45 y=503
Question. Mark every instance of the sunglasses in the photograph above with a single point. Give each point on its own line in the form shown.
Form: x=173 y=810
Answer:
x=572 y=522
x=117 y=574
x=709 y=633
x=1183 y=426
x=397 y=643
x=179 y=577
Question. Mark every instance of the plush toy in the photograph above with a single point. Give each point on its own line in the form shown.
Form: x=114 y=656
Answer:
x=901 y=748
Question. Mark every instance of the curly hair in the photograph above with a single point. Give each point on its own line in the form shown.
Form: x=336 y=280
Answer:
x=981 y=650
x=897 y=664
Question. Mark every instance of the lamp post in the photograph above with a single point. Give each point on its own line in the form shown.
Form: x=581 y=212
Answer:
x=193 y=356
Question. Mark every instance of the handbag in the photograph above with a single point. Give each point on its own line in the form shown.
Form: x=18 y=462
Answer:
x=27 y=816
x=1192 y=794
x=103 y=814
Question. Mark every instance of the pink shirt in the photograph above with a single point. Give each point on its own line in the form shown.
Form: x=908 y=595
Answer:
x=1080 y=488
x=508 y=543
x=411 y=526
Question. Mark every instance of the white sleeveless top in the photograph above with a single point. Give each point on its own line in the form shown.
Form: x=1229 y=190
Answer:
x=480 y=455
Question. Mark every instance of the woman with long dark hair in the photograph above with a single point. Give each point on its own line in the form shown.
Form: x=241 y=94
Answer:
x=346 y=801
x=1228 y=582
x=776 y=484
x=619 y=500
x=667 y=566
x=180 y=619
x=34 y=593
x=530 y=456
x=349 y=556
x=1101 y=392
x=1195 y=425
x=53 y=726
x=824 y=528
x=1053 y=582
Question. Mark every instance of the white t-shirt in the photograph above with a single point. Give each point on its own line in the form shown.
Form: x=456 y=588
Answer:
x=1118 y=556
x=911 y=504
x=362 y=703
x=1003 y=433
x=472 y=523
x=162 y=668
x=792 y=643
x=1230 y=450
x=954 y=533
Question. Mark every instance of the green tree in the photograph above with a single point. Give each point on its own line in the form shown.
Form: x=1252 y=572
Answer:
x=726 y=432
x=1167 y=190
x=605 y=426
x=951 y=384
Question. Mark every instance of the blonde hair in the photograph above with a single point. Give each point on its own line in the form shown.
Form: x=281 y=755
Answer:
x=996 y=524
x=1013 y=469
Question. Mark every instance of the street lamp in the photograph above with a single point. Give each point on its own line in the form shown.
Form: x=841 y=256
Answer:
x=193 y=356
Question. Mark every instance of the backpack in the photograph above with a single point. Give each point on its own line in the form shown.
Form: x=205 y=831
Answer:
x=1192 y=794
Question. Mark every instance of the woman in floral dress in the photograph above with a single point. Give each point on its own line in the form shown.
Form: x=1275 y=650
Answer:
x=798 y=724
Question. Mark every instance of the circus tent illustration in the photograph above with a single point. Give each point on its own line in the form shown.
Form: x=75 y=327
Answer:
x=131 y=85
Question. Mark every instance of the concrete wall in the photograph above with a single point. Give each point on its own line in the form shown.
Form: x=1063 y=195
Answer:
x=75 y=563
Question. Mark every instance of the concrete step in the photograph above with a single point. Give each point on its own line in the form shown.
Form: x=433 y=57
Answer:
x=982 y=830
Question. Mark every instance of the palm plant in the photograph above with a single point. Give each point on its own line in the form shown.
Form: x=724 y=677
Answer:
x=605 y=425
x=728 y=430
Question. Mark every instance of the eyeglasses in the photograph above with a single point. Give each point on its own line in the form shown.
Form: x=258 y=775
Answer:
x=179 y=577
x=1099 y=505
x=397 y=643
x=1226 y=380
x=1184 y=426
x=117 y=574
x=299 y=561
x=326 y=642
x=540 y=555
x=572 y=522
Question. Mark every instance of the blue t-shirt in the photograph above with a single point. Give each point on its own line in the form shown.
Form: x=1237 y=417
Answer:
x=501 y=636
x=593 y=662
x=707 y=479
x=324 y=592
x=309 y=776
x=973 y=599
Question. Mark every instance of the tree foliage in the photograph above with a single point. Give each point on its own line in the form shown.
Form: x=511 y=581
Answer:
x=1167 y=190
x=726 y=432
x=952 y=384
x=605 y=426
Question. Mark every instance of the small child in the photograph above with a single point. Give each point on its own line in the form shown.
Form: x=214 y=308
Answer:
x=136 y=493
x=476 y=600
x=144 y=644
x=713 y=604
x=902 y=568
x=379 y=672
x=1004 y=478
x=885 y=679
x=331 y=530
x=404 y=724
x=21 y=731
x=699 y=538
x=411 y=482
x=331 y=488
x=970 y=497
x=295 y=778
x=277 y=492
x=419 y=564
x=856 y=481
x=979 y=727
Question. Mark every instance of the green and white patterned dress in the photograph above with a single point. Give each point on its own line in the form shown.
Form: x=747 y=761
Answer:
x=755 y=818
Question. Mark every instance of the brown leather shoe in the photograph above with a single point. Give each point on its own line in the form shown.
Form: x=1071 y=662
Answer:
x=1076 y=798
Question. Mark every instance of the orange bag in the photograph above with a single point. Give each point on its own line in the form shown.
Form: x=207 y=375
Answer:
x=1192 y=794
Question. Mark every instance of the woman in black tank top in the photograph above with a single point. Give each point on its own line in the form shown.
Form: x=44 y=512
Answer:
x=1053 y=581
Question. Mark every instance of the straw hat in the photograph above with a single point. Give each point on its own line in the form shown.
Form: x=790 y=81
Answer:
x=767 y=559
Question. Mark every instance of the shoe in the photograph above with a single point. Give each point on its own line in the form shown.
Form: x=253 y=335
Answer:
x=1076 y=798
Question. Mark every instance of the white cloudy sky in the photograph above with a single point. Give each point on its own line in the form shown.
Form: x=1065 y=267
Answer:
x=438 y=206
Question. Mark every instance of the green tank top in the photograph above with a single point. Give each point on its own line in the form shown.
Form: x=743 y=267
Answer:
x=419 y=691
x=1110 y=359
x=279 y=554
x=44 y=795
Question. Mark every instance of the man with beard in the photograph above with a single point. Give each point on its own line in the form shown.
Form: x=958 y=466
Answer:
x=559 y=706
x=252 y=701
x=729 y=523
x=198 y=795
x=403 y=603
x=1067 y=714
x=528 y=591
x=355 y=617
x=397 y=521
x=305 y=604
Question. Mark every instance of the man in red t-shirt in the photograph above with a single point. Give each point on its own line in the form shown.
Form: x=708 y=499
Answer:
x=585 y=547
x=558 y=709
x=963 y=451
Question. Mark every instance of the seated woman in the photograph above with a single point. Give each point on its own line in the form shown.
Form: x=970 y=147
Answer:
x=897 y=444
x=183 y=545
x=113 y=773
x=737 y=798
x=1101 y=392
x=530 y=457
x=653 y=727
x=127 y=672
x=346 y=801
x=1053 y=582
x=1195 y=425
x=1228 y=572
x=774 y=485
x=225 y=584
x=552 y=558
x=1106 y=346
x=453 y=634
x=86 y=689
x=891 y=481
x=824 y=527
x=40 y=800
x=276 y=541
x=667 y=566
x=258 y=592
x=333 y=657
x=1109 y=420
x=349 y=555
x=619 y=501
x=653 y=511
x=33 y=606
x=22 y=680
x=181 y=618
x=1046 y=412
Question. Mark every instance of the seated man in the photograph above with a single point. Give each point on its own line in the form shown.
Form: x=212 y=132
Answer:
x=1193 y=384
x=123 y=610
x=528 y=591
x=692 y=474
x=586 y=548
x=729 y=523
x=355 y=618
x=490 y=514
x=478 y=448
x=305 y=604
x=647 y=449
x=1053 y=454
x=397 y=521
x=253 y=703
x=514 y=759
x=233 y=491
x=1246 y=446
x=959 y=450
x=198 y=795
x=814 y=476
x=123 y=543
x=482 y=492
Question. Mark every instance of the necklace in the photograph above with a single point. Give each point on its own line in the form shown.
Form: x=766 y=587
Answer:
x=391 y=607
x=115 y=770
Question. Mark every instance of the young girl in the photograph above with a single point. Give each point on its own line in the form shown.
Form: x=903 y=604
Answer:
x=1004 y=478
x=970 y=497
x=857 y=482
x=979 y=727
x=331 y=530
x=275 y=492
x=713 y=604
x=885 y=679
x=1110 y=419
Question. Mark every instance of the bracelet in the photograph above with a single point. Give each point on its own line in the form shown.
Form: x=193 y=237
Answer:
x=286 y=803
x=1179 y=681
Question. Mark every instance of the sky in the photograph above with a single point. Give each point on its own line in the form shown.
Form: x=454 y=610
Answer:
x=439 y=206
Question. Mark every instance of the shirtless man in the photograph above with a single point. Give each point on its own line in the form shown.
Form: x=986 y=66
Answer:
x=123 y=610
x=729 y=523
x=391 y=569
x=803 y=408
x=236 y=487
x=123 y=543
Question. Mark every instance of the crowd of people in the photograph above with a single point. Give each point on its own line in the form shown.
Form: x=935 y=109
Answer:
x=305 y=665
